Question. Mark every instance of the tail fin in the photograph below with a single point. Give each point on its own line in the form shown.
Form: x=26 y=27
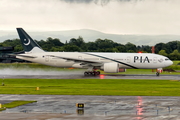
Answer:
x=28 y=43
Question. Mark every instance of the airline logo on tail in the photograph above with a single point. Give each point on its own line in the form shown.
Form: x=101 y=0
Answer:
x=27 y=42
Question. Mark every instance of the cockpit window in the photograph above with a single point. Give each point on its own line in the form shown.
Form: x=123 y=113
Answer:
x=166 y=59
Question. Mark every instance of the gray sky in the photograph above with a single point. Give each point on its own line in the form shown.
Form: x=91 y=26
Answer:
x=109 y=16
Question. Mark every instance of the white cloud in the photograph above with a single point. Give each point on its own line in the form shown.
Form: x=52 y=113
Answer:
x=133 y=17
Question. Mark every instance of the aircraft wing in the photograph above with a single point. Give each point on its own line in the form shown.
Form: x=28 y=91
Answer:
x=82 y=61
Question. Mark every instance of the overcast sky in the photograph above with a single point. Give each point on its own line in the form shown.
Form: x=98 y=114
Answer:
x=109 y=16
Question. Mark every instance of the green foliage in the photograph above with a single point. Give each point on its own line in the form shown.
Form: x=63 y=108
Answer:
x=51 y=44
x=71 y=48
x=170 y=49
x=13 y=43
x=130 y=47
x=121 y=48
x=175 y=55
x=78 y=42
x=163 y=52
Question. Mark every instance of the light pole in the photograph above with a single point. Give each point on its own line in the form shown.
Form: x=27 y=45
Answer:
x=3 y=81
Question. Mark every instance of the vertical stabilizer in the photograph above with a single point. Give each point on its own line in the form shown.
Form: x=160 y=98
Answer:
x=28 y=43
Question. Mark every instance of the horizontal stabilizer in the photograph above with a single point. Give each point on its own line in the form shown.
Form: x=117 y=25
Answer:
x=22 y=55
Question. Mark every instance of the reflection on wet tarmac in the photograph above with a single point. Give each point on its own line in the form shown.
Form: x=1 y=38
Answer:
x=135 y=107
x=101 y=76
x=139 y=108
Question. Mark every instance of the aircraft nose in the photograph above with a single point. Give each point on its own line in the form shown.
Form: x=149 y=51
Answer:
x=170 y=62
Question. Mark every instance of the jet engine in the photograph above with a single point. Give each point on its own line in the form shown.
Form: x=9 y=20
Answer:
x=111 y=67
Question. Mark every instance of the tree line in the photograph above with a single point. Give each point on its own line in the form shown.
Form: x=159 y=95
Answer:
x=170 y=49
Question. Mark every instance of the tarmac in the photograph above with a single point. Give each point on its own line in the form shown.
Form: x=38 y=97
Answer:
x=102 y=76
x=55 y=107
x=60 y=107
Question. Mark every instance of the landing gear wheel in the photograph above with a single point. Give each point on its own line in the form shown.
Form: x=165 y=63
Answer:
x=98 y=73
x=157 y=74
x=86 y=73
x=92 y=73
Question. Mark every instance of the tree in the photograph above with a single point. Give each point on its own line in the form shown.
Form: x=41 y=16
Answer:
x=172 y=45
x=104 y=44
x=159 y=46
x=175 y=55
x=121 y=48
x=54 y=42
x=178 y=46
x=1 y=44
x=71 y=48
x=163 y=52
x=78 y=42
x=146 y=48
x=130 y=47
x=91 y=46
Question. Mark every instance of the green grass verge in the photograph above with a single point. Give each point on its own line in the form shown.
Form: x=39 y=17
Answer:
x=92 y=87
x=15 y=104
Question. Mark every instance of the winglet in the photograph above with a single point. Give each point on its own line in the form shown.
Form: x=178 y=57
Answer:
x=28 y=43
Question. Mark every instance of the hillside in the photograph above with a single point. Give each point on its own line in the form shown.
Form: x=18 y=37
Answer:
x=92 y=35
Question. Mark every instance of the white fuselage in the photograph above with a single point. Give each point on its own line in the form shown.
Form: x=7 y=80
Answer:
x=124 y=60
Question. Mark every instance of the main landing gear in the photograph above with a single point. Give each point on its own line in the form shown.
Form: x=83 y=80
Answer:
x=93 y=73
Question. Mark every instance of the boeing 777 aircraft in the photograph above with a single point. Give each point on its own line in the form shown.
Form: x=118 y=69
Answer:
x=108 y=62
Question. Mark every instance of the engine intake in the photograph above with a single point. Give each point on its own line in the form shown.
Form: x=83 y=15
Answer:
x=111 y=67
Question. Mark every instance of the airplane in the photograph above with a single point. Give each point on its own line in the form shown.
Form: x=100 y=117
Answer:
x=108 y=62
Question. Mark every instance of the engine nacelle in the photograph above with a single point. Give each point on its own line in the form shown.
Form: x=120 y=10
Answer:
x=111 y=67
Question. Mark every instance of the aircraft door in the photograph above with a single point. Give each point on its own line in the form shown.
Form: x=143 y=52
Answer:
x=155 y=60
x=79 y=57
x=128 y=59
x=47 y=58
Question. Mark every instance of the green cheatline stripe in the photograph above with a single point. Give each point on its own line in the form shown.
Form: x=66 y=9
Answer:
x=112 y=60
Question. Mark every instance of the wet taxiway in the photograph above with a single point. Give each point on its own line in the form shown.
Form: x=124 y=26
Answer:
x=102 y=76
x=54 y=107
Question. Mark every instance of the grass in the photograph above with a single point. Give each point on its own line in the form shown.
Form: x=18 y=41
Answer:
x=14 y=104
x=92 y=87
x=175 y=65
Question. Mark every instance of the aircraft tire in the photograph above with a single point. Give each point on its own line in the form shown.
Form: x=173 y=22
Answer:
x=157 y=74
x=98 y=73
x=86 y=73
x=93 y=73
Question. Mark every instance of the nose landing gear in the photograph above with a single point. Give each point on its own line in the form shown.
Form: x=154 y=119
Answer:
x=157 y=73
x=159 y=70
